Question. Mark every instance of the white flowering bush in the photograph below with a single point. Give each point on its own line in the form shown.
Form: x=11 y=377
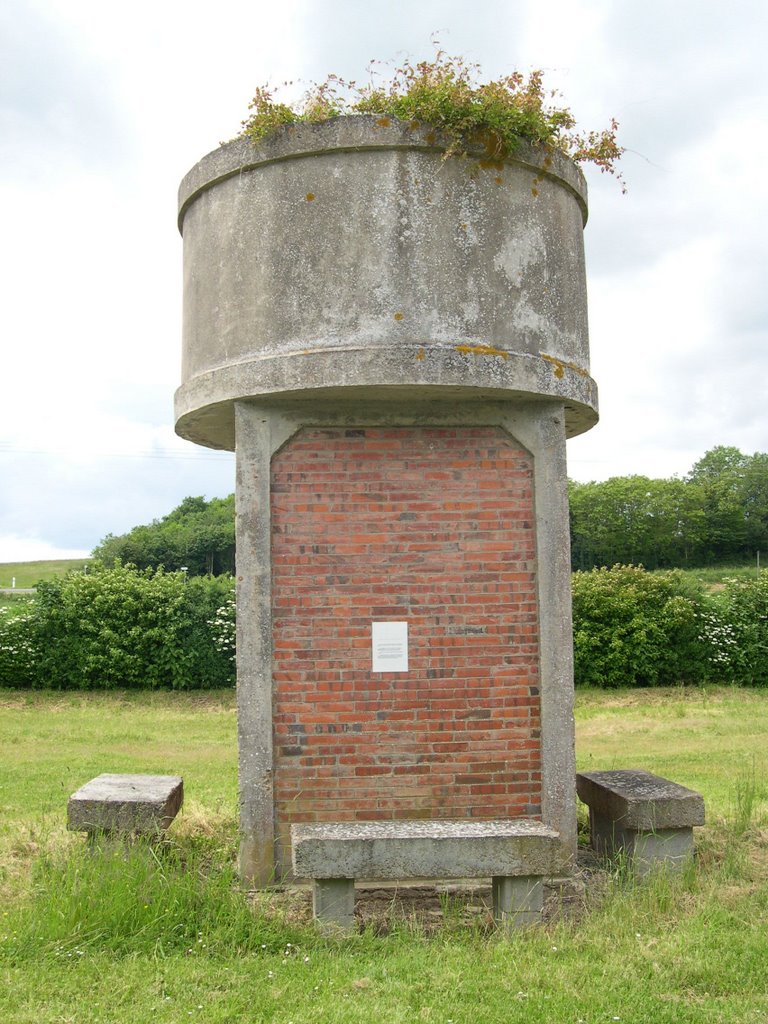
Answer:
x=224 y=629
x=18 y=649
x=743 y=611
x=720 y=641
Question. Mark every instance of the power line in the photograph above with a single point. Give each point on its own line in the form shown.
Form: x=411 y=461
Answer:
x=179 y=456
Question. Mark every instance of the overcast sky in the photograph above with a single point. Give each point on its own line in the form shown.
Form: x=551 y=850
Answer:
x=105 y=106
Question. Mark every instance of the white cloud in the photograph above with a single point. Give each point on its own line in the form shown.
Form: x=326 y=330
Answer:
x=30 y=549
x=104 y=108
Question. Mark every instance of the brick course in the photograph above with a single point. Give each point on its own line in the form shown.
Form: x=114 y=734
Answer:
x=431 y=525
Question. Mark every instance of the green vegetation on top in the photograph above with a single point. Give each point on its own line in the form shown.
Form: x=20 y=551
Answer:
x=447 y=93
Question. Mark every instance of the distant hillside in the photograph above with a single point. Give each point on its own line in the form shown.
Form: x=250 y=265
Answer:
x=27 y=574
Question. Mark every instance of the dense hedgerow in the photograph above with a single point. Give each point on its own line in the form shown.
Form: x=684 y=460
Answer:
x=119 y=627
x=123 y=627
x=636 y=628
x=737 y=630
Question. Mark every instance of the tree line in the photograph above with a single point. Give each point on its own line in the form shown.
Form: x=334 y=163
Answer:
x=715 y=515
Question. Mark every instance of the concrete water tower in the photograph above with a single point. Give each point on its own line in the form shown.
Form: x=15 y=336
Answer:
x=395 y=346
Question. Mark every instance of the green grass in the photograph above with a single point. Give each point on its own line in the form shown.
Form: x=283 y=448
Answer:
x=29 y=574
x=715 y=575
x=125 y=936
x=708 y=738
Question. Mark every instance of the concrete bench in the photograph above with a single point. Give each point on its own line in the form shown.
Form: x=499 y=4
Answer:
x=126 y=804
x=647 y=818
x=516 y=855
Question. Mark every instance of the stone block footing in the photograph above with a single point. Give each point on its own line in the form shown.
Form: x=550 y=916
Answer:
x=518 y=901
x=333 y=904
x=644 y=850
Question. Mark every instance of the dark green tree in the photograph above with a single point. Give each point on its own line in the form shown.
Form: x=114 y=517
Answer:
x=198 y=536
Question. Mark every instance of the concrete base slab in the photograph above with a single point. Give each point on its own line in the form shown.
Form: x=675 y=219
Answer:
x=424 y=849
x=126 y=804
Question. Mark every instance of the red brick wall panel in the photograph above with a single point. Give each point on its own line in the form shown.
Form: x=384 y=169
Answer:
x=434 y=526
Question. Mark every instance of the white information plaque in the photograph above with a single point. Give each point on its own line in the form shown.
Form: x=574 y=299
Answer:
x=389 y=646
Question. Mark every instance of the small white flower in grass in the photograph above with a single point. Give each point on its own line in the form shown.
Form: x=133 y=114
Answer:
x=306 y=959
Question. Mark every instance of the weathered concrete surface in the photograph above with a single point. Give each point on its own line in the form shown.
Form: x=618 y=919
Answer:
x=639 y=800
x=642 y=816
x=345 y=274
x=350 y=254
x=333 y=904
x=423 y=849
x=126 y=804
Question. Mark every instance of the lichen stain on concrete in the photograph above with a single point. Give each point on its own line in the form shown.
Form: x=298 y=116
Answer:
x=310 y=197
x=482 y=350
x=398 y=316
x=560 y=366
x=420 y=354
x=384 y=122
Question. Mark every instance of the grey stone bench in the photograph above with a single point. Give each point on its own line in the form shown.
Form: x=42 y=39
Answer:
x=516 y=855
x=647 y=818
x=126 y=804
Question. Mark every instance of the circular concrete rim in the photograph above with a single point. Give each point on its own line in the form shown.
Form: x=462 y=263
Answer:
x=204 y=405
x=465 y=371
x=356 y=133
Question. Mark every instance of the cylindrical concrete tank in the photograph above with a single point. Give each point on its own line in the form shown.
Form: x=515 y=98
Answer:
x=353 y=255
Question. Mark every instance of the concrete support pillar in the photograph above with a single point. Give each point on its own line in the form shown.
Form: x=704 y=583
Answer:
x=333 y=904
x=254 y=646
x=517 y=902
x=541 y=428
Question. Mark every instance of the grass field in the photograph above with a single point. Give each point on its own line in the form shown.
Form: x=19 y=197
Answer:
x=29 y=574
x=167 y=937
